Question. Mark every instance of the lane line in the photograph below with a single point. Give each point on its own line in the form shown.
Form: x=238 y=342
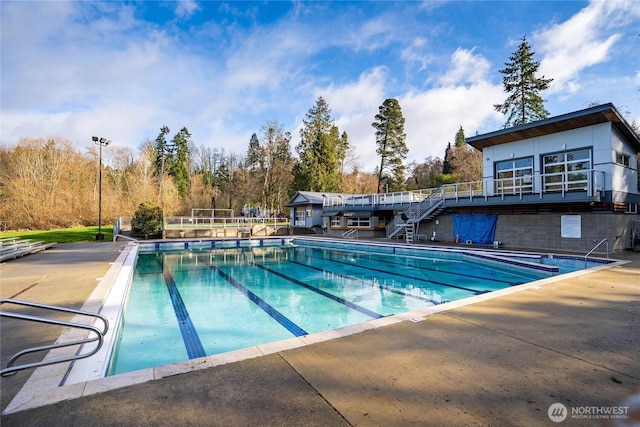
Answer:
x=343 y=301
x=187 y=329
x=279 y=317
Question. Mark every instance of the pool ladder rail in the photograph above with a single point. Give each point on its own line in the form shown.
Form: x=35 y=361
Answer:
x=94 y=334
x=352 y=233
x=594 y=248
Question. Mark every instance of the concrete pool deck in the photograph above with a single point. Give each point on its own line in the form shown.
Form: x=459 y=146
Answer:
x=501 y=361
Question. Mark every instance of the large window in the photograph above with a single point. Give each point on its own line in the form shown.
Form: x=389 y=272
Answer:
x=514 y=176
x=358 y=222
x=566 y=171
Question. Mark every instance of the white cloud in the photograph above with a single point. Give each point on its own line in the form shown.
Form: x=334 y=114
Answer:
x=186 y=8
x=74 y=69
x=433 y=117
x=416 y=52
x=466 y=68
x=464 y=97
x=371 y=35
x=354 y=106
x=584 y=40
x=353 y=97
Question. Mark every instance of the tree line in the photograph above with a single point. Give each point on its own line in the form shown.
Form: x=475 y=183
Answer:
x=47 y=183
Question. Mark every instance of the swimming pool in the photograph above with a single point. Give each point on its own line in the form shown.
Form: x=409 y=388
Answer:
x=194 y=299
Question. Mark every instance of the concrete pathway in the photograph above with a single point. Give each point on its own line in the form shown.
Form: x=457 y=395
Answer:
x=502 y=362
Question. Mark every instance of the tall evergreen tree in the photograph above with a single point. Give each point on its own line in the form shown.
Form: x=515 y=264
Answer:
x=321 y=151
x=392 y=149
x=254 y=154
x=447 y=166
x=173 y=158
x=524 y=103
x=162 y=151
x=460 y=140
x=180 y=161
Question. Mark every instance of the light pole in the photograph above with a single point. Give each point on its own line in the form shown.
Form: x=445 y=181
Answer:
x=102 y=142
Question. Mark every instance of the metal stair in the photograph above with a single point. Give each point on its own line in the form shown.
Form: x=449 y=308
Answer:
x=429 y=208
x=408 y=233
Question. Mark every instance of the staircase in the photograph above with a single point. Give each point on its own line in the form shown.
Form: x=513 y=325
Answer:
x=429 y=208
x=408 y=233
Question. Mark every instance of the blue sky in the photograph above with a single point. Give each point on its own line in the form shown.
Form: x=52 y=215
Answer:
x=223 y=69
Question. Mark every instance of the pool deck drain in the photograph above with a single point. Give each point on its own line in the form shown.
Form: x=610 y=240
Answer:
x=502 y=360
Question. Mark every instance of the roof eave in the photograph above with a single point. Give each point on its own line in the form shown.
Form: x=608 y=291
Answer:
x=588 y=117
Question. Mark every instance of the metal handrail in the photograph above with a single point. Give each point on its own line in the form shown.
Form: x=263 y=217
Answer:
x=535 y=183
x=130 y=239
x=594 y=248
x=347 y=234
x=99 y=335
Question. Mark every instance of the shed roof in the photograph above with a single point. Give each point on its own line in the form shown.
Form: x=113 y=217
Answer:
x=587 y=117
x=309 y=198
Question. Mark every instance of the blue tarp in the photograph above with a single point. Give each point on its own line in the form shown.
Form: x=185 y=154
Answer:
x=479 y=228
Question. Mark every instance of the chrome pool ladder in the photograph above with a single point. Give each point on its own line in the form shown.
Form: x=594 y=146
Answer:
x=94 y=334
x=594 y=248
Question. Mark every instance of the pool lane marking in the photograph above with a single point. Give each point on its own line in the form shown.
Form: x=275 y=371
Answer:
x=474 y=291
x=279 y=317
x=355 y=279
x=343 y=301
x=420 y=267
x=187 y=329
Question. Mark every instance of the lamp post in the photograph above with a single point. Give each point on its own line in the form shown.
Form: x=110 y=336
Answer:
x=102 y=142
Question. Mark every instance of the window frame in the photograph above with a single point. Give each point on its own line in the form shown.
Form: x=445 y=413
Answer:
x=622 y=159
x=359 y=222
x=514 y=178
x=567 y=172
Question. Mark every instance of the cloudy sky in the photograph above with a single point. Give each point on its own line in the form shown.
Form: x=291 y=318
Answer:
x=122 y=70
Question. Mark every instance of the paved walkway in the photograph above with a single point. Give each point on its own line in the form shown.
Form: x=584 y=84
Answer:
x=502 y=361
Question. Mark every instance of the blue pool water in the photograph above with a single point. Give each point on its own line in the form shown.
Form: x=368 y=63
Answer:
x=203 y=301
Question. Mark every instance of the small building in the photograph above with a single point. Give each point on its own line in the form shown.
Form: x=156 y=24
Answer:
x=305 y=209
x=589 y=155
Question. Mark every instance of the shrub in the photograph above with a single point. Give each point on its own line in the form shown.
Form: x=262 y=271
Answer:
x=147 y=221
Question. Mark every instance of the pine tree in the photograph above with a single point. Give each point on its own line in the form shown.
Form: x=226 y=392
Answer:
x=320 y=151
x=180 y=160
x=254 y=153
x=524 y=103
x=173 y=159
x=161 y=152
x=447 y=167
x=392 y=149
x=460 y=140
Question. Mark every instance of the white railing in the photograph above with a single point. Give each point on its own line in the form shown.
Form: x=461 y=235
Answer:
x=353 y=200
x=196 y=223
x=554 y=183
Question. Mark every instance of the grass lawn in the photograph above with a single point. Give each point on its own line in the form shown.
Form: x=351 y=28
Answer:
x=65 y=235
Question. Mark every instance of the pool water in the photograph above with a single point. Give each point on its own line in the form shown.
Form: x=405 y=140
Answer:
x=194 y=303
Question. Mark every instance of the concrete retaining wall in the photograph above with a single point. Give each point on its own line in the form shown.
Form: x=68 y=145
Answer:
x=543 y=231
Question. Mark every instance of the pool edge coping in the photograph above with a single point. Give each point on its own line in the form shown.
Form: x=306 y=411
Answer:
x=43 y=386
